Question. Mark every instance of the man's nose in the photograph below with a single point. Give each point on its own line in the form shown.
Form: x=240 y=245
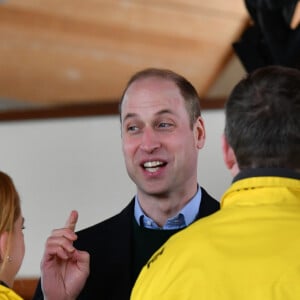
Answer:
x=150 y=140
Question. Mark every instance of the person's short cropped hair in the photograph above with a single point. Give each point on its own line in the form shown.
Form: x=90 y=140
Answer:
x=250 y=122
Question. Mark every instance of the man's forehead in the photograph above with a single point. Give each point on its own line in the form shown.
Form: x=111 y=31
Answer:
x=155 y=105
x=151 y=93
x=152 y=82
x=151 y=90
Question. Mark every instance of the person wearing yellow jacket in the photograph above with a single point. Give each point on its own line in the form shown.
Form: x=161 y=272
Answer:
x=250 y=249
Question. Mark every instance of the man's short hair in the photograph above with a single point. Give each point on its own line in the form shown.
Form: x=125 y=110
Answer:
x=263 y=119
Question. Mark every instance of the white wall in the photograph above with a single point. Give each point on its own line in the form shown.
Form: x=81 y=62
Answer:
x=60 y=165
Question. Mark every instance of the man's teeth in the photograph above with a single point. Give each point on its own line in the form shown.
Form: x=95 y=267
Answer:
x=152 y=166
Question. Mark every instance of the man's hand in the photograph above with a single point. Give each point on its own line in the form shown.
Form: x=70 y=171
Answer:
x=64 y=269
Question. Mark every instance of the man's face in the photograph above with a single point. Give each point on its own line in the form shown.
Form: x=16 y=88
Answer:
x=159 y=146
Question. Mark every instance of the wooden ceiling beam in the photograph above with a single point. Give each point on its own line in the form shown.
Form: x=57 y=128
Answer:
x=87 y=50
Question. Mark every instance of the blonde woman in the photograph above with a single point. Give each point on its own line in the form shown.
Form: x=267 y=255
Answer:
x=12 y=246
x=65 y=269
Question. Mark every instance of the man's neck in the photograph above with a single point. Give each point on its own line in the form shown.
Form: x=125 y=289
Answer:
x=162 y=207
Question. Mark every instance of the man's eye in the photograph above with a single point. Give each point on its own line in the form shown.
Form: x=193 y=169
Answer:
x=165 y=125
x=132 y=128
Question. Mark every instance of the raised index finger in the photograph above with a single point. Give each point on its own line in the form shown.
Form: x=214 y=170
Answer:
x=72 y=220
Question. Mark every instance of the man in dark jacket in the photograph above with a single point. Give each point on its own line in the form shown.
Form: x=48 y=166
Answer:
x=162 y=133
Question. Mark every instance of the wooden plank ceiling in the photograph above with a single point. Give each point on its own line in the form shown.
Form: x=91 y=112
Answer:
x=75 y=51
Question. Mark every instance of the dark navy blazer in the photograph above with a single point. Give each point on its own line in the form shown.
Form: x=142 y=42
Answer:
x=110 y=246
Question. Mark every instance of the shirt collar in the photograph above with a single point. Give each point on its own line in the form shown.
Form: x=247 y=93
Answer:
x=184 y=218
x=257 y=172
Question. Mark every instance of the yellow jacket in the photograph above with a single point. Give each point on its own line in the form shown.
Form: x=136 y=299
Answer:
x=8 y=294
x=249 y=250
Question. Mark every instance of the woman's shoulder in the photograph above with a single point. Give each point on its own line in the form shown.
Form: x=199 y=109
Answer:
x=8 y=294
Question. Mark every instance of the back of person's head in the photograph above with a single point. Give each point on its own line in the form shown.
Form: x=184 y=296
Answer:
x=186 y=89
x=10 y=210
x=263 y=119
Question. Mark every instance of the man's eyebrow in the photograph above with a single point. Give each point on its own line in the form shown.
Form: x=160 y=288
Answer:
x=164 y=111
x=128 y=116
x=161 y=112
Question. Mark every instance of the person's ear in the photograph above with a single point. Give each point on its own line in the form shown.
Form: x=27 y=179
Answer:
x=199 y=133
x=3 y=245
x=229 y=157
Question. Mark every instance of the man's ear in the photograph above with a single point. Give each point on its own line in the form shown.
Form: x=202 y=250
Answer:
x=229 y=157
x=199 y=133
x=3 y=244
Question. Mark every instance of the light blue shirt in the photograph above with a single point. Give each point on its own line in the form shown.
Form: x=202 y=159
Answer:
x=184 y=218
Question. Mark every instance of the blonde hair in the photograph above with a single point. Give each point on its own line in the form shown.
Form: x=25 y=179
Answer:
x=10 y=210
